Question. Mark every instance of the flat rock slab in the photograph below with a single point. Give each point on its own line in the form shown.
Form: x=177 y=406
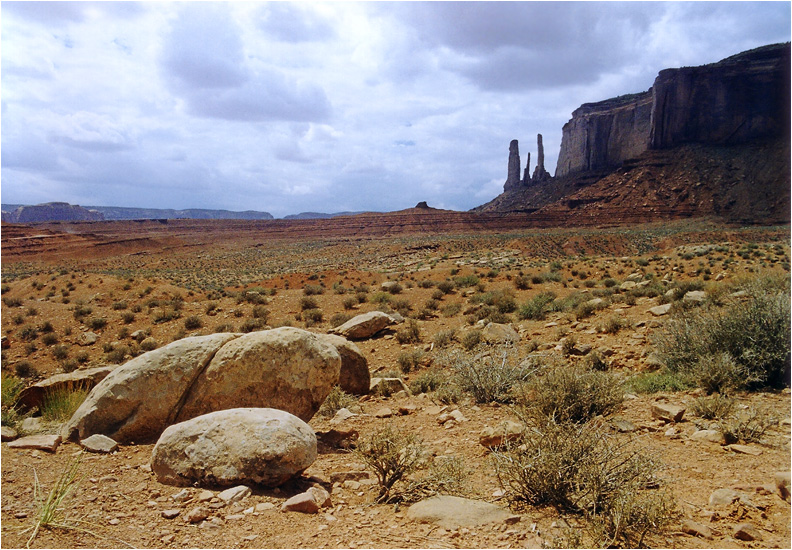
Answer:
x=454 y=512
x=659 y=311
x=667 y=412
x=744 y=449
x=695 y=529
x=365 y=325
x=98 y=443
x=8 y=433
x=47 y=443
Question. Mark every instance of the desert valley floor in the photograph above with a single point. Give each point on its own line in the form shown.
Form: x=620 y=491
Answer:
x=127 y=283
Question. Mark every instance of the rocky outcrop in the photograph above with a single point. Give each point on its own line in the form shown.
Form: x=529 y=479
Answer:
x=259 y=446
x=51 y=211
x=540 y=174
x=513 y=175
x=602 y=135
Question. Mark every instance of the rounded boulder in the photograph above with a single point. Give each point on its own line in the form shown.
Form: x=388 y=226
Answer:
x=265 y=447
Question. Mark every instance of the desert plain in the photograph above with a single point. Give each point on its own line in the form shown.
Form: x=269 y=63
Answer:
x=83 y=295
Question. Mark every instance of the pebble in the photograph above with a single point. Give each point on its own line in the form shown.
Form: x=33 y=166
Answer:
x=747 y=532
x=171 y=513
x=235 y=494
x=197 y=514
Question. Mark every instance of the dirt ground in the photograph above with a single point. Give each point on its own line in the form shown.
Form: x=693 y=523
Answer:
x=121 y=503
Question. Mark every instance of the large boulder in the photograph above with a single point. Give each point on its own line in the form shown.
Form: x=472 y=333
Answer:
x=354 y=376
x=284 y=368
x=141 y=398
x=266 y=447
x=364 y=325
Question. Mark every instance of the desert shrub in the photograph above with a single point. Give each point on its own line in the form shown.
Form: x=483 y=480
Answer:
x=583 y=470
x=46 y=327
x=489 y=376
x=120 y=305
x=18 y=319
x=82 y=357
x=310 y=290
x=28 y=333
x=568 y=344
x=431 y=304
x=261 y=312
x=224 y=327
x=426 y=283
x=350 y=302
x=380 y=298
x=446 y=475
x=465 y=281
x=251 y=325
x=470 y=339
x=448 y=394
x=12 y=302
x=410 y=333
x=308 y=302
x=522 y=282
x=336 y=400
x=24 y=369
x=713 y=407
x=594 y=360
x=60 y=404
x=392 y=455
x=502 y=300
x=395 y=288
x=60 y=352
x=444 y=338
x=193 y=322
x=537 y=307
x=49 y=339
x=409 y=360
x=449 y=310
x=609 y=282
x=12 y=386
x=720 y=373
x=587 y=308
x=339 y=319
x=437 y=294
x=427 y=381
x=613 y=324
x=754 y=332
x=570 y=393
x=748 y=426
x=81 y=311
x=166 y=315
x=446 y=287
x=312 y=317
x=117 y=355
x=339 y=288
x=402 y=306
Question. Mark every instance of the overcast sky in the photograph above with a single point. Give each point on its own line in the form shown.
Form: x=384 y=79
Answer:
x=291 y=107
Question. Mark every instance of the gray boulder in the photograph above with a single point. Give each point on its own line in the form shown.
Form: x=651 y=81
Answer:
x=364 y=325
x=139 y=399
x=497 y=333
x=454 y=512
x=284 y=368
x=266 y=447
x=354 y=376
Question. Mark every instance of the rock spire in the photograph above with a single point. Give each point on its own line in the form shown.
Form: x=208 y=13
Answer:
x=513 y=177
x=540 y=174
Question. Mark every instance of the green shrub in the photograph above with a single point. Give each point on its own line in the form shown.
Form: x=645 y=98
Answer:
x=449 y=310
x=659 y=381
x=409 y=360
x=308 y=302
x=60 y=404
x=339 y=319
x=193 y=322
x=748 y=426
x=427 y=382
x=537 y=307
x=350 y=302
x=446 y=287
x=502 y=300
x=465 y=281
x=613 y=324
x=380 y=298
x=336 y=400
x=251 y=325
x=753 y=331
x=60 y=352
x=410 y=333
x=444 y=338
x=310 y=290
x=402 y=306
x=23 y=369
x=714 y=407
x=470 y=339
x=312 y=317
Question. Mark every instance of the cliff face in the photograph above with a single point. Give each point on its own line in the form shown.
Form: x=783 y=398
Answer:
x=602 y=135
x=741 y=98
x=703 y=141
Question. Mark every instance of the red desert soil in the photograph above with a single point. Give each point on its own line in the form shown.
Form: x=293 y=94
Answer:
x=131 y=273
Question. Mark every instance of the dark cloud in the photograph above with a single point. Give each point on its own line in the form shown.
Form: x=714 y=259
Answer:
x=291 y=23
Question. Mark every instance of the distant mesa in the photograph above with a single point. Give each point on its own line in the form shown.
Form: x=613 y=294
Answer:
x=422 y=204
x=319 y=215
x=62 y=211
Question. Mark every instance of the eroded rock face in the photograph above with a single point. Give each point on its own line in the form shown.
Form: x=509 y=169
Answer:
x=284 y=368
x=259 y=446
x=139 y=399
x=513 y=175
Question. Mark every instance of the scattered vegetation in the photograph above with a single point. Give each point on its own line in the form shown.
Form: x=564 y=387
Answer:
x=392 y=455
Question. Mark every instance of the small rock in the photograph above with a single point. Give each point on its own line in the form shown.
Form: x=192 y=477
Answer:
x=167 y=539
x=198 y=514
x=696 y=529
x=308 y=502
x=667 y=412
x=659 y=311
x=342 y=439
x=171 y=514
x=205 y=496
x=263 y=507
x=87 y=339
x=409 y=408
x=8 y=433
x=234 y=494
x=506 y=431
x=341 y=415
x=384 y=412
x=387 y=386
x=98 y=443
x=695 y=296
x=723 y=497
x=47 y=443
x=31 y=424
x=340 y=477
x=747 y=532
x=713 y=436
x=623 y=426
x=182 y=495
x=745 y=449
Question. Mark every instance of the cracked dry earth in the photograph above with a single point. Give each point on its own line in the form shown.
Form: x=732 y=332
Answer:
x=121 y=504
